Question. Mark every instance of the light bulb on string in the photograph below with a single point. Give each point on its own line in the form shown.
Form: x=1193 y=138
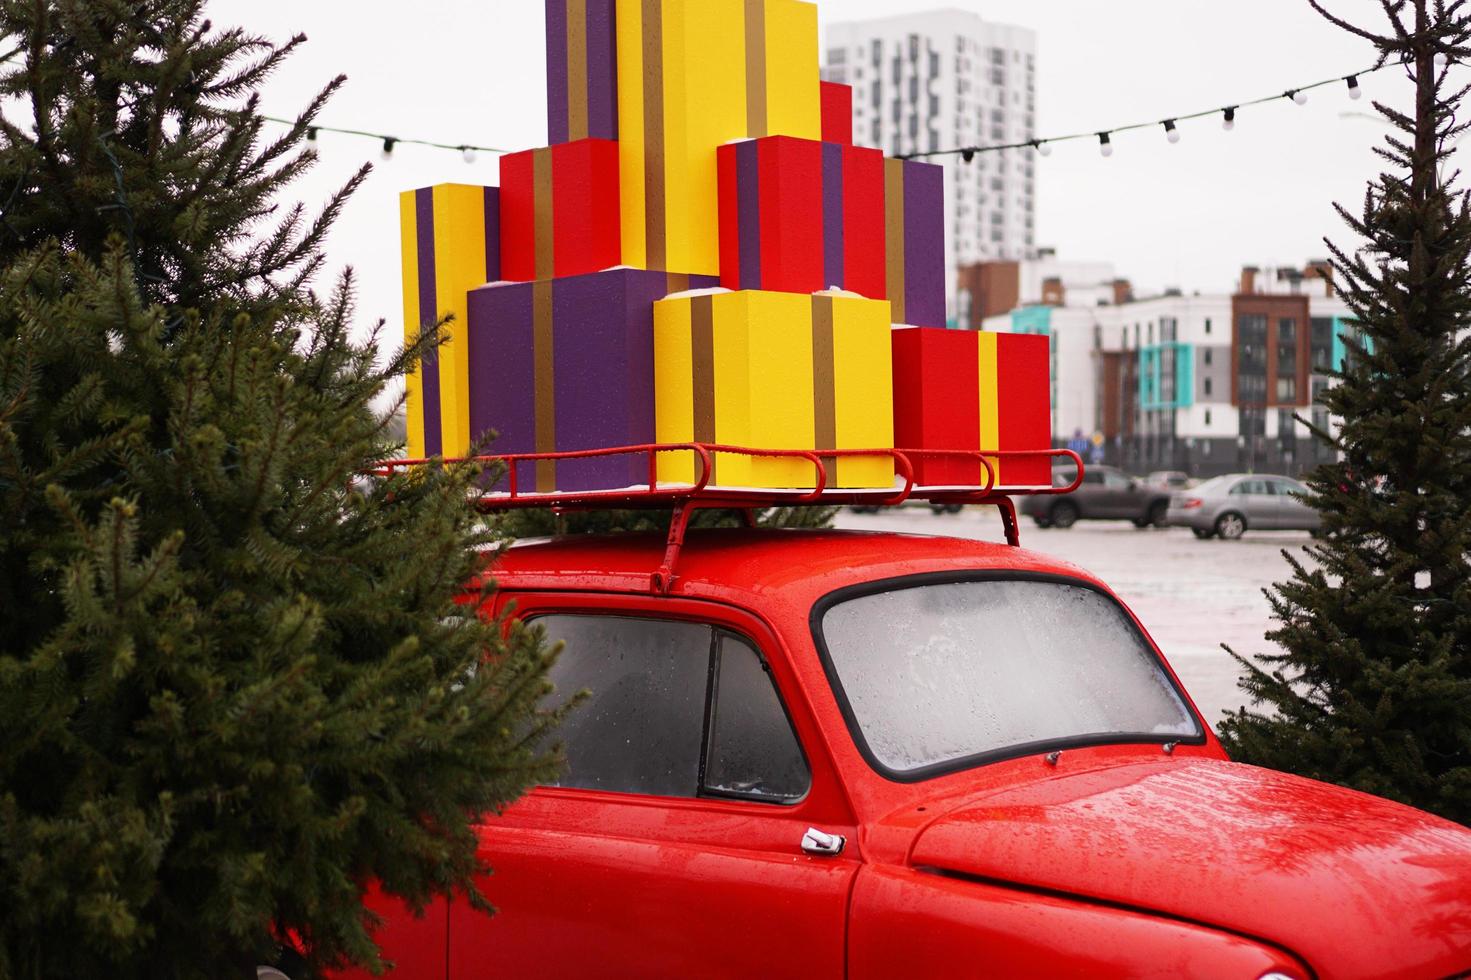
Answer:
x=1042 y=147
x=1105 y=145
x=968 y=154
x=311 y=134
x=1172 y=133
x=1354 y=92
x=388 y=143
x=1228 y=118
x=468 y=153
x=1297 y=95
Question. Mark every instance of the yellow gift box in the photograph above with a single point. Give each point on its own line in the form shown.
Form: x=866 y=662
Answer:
x=769 y=370
x=451 y=244
x=693 y=74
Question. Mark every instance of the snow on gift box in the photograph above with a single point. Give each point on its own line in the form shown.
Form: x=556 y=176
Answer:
x=957 y=389
x=451 y=244
x=799 y=216
x=774 y=371
x=568 y=364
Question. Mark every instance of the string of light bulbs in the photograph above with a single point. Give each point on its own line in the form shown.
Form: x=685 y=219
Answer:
x=1170 y=125
x=467 y=151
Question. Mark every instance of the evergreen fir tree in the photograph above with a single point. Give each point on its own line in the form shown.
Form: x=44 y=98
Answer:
x=236 y=687
x=1372 y=688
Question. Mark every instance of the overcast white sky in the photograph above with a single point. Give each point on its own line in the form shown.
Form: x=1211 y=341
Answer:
x=1188 y=215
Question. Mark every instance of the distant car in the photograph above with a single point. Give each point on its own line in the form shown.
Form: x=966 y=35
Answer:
x=1106 y=494
x=1228 y=505
x=1168 y=479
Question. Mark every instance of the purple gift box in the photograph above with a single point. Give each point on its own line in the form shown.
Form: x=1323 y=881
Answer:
x=568 y=364
x=582 y=71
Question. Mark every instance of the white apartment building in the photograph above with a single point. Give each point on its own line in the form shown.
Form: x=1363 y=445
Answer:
x=943 y=79
x=1206 y=384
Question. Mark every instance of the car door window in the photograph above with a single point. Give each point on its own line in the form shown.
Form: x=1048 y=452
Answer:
x=1116 y=481
x=1250 y=487
x=1092 y=478
x=673 y=709
x=752 y=751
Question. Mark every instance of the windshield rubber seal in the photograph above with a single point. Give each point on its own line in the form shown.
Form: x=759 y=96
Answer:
x=821 y=607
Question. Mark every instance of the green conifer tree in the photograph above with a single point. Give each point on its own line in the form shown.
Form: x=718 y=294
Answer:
x=236 y=687
x=1372 y=688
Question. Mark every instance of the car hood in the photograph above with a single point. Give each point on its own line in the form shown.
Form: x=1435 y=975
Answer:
x=1356 y=885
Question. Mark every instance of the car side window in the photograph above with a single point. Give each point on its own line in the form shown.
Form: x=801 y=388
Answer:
x=1092 y=477
x=753 y=752
x=673 y=709
x=1249 y=487
x=1115 y=481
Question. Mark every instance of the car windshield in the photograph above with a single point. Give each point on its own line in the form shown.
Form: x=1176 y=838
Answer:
x=935 y=677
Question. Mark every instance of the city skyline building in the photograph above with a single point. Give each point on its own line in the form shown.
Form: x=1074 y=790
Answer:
x=1204 y=384
x=941 y=79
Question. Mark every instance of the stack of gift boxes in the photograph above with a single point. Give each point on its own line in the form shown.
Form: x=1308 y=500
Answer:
x=703 y=255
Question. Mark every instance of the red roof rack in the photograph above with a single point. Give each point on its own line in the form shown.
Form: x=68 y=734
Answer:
x=685 y=498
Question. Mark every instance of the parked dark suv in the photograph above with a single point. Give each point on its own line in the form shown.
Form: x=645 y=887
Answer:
x=1107 y=494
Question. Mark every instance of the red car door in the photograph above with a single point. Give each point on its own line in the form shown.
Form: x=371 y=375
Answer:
x=674 y=844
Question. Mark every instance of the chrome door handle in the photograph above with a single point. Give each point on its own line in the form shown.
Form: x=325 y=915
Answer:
x=821 y=844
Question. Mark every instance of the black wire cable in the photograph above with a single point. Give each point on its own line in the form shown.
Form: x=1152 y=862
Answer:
x=389 y=141
x=1097 y=134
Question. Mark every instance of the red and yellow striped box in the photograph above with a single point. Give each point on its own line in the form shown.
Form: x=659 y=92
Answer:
x=559 y=211
x=693 y=74
x=958 y=389
x=770 y=370
x=451 y=244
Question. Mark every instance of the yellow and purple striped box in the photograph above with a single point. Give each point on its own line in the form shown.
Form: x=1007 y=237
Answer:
x=768 y=370
x=451 y=244
x=693 y=74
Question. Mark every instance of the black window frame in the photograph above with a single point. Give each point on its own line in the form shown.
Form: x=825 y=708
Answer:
x=712 y=669
x=978 y=759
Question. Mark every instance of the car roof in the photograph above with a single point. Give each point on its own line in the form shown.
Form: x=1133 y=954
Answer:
x=762 y=566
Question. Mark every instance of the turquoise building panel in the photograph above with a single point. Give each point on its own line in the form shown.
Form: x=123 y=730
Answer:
x=1151 y=376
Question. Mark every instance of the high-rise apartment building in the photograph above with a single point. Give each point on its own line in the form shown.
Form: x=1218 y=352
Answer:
x=945 y=79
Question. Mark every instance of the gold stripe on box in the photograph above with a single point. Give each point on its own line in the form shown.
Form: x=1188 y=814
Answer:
x=541 y=180
x=655 y=246
x=702 y=350
x=755 y=68
x=894 y=236
x=824 y=393
x=543 y=367
x=577 y=69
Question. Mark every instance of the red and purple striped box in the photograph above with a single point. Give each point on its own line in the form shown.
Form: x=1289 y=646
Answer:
x=801 y=216
x=568 y=364
x=559 y=211
x=582 y=71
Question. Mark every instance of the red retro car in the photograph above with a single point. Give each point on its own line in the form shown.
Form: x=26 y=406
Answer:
x=835 y=754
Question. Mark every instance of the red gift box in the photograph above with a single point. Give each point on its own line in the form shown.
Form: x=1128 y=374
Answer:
x=559 y=211
x=962 y=390
x=837 y=113
x=799 y=216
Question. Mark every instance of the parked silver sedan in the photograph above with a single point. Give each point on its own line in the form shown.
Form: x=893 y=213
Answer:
x=1228 y=505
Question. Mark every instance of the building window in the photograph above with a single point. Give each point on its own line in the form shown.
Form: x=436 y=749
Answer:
x=837 y=56
x=1207 y=411
x=1208 y=388
x=1286 y=360
x=1207 y=326
x=1207 y=357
